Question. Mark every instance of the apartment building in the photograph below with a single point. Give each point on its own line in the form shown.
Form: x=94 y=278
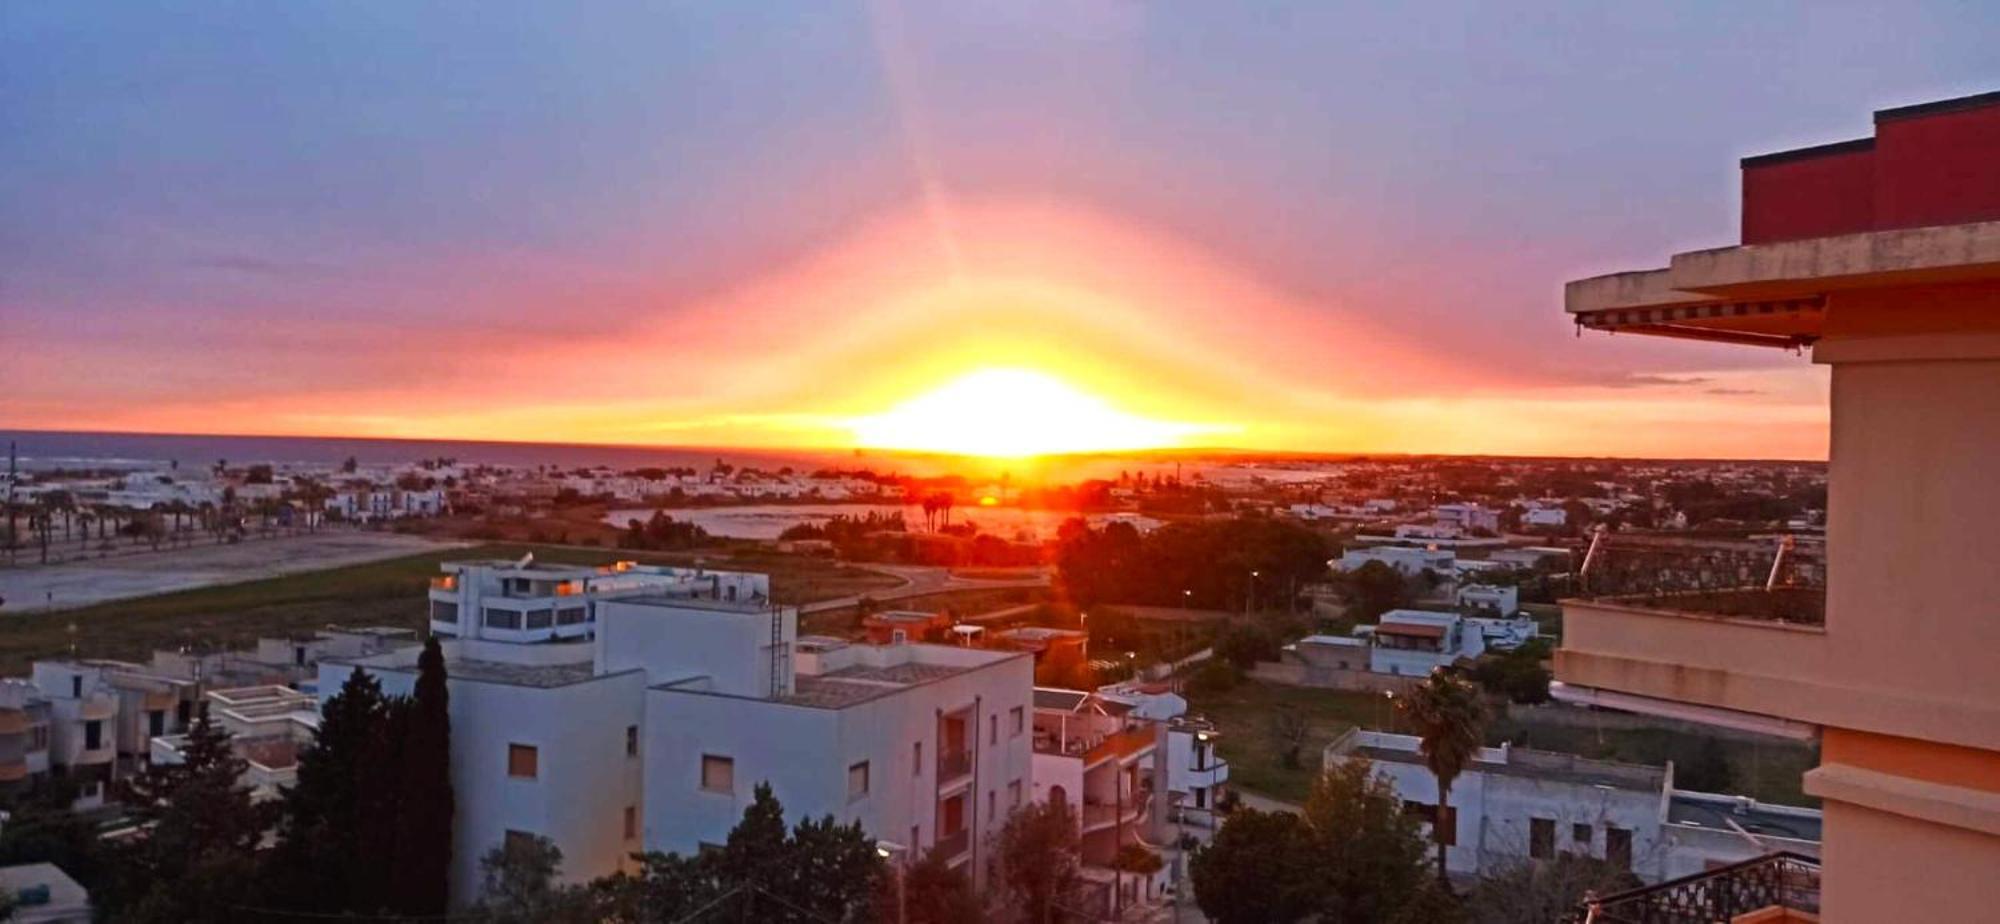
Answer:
x=1514 y=805
x=267 y=725
x=1880 y=257
x=24 y=735
x=1196 y=775
x=650 y=727
x=1105 y=759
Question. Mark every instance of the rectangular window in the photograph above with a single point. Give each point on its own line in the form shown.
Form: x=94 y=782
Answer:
x=992 y=729
x=631 y=822
x=502 y=619
x=631 y=741
x=156 y=723
x=1542 y=838
x=93 y=735
x=569 y=616
x=917 y=759
x=76 y=686
x=992 y=803
x=299 y=655
x=541 y=619
x=41 y=738
x=718 y=774
x=1019 y=717
x=1580 y=836
x=523 y=761
x=1618 y=847
x=1014 y=794
x=444 y=612
x=857 y=780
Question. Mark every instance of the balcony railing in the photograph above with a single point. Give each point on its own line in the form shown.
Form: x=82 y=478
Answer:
x=1775 y=880
x=1777 y=579
x=952 y=846
x=954 y=764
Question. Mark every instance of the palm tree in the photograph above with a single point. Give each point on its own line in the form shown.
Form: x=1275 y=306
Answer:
x=1447 y=714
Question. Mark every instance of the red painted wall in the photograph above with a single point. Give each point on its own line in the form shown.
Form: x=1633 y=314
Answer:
x=1938 y=169
x=1813 y=196
x=1935 y=167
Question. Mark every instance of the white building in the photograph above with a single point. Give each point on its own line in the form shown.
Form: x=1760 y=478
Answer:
x=1409 y=560
x=268 y=726
x=1096 y=754
x=1498 y=600
x=1412 y=643
x=43 y=894
x=645 y=719
x=1512 y=805
x=1467 y=517
x=1545 y=517
x=1196 y=776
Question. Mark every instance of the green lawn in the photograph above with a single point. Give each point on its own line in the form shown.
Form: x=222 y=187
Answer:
x=389 y=592
x=1247 y=715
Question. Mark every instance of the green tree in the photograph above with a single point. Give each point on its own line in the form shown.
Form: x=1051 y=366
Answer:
x=520 y=887
x=1038 y=859
x=421 y=874
x=933 y=892
x=1538 y=892
x=1449 y=717
x=198 y=851
x=1257 y=870
x=324 y=859
x=1371 y=590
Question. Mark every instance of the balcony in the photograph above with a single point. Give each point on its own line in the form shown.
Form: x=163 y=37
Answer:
x=955 y=845
x=1210 y=775
x=953 y=765
x=1767 y=886
x=1099 y=815
x=1734 y=626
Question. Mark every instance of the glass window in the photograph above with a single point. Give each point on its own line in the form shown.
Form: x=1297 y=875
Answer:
x=631 y=741
x=1580 y=835
x=443 y=612
x=992 y=729
x=541 y=619
x=917 y=759
x=1018 y=716
x=1541 y=838
x=523 y=761
x=502 y=619
x=857 y=780
x=1014 y=794
x=93 y=735
x=718 y=774
x=569 y=616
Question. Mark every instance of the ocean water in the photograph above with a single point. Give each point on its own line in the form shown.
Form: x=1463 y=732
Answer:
x=46 y=449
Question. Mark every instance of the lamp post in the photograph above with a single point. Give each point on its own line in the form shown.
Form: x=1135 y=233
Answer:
x=893 y=852
x=1250 y=595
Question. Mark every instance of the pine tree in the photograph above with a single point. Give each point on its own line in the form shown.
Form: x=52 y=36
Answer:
x=200 y=834
x=321 y=857
x=422 y=868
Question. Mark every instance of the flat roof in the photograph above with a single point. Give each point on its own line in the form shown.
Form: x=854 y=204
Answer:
x=1414 y=630
x=482 y=671
x=1756 y=818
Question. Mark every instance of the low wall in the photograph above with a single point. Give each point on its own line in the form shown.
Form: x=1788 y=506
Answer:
x=1330 y=678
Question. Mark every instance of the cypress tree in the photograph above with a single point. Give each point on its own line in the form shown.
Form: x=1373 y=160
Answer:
x=422 y=870
x=321 y=855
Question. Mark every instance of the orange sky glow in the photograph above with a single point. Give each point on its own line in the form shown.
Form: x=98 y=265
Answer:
x=1114 y=338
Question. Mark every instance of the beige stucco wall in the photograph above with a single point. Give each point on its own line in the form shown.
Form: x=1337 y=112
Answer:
x=1879 y=867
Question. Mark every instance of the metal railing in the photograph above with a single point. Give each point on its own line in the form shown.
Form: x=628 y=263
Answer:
x=1775 y=578
x=1785 y=880
x=953 y=764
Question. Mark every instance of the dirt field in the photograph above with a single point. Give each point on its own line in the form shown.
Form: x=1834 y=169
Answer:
x=28 y=589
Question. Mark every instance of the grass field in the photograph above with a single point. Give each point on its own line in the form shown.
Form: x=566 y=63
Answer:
x=1246 y=716
x=1770 y=770
x=389 y=592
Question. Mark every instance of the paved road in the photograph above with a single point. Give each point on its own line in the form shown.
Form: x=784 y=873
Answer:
x=920 y=580
x=27 y=588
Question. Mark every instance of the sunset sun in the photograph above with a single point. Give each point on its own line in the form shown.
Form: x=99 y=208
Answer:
x=1011 y=413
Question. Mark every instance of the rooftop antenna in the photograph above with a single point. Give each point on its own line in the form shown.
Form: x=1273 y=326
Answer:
x=526 y=560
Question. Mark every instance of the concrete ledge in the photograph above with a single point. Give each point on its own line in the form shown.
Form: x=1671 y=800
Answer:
x=1938 y=803
x=1877 y=258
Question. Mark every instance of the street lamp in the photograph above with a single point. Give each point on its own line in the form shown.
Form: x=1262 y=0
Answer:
x=892 y=852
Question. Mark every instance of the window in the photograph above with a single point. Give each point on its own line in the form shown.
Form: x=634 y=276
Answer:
x=1200 y=797
x=541 y=619
x=1580 y=836
x=631 y=741
x=917 y=759
x=299 y=655
x=1541 y=838
x=502 y=619
x=1019 y=717
x=40 y=738
x=156 y=723
x=916 y=838
x=857 y=780
x=523 y=761
x=1014 y=794
x=992 y=729
x=992 y=803
x=631 y=822
x=76 y=686
x=93 y=735
x=718 y=774
x=569 y=616
x=444 y=612
x=1618 y=847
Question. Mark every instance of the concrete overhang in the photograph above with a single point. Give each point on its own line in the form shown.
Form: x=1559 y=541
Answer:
x=1775 y=294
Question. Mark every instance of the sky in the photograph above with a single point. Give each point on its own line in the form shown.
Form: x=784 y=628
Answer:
x=1310 y=226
